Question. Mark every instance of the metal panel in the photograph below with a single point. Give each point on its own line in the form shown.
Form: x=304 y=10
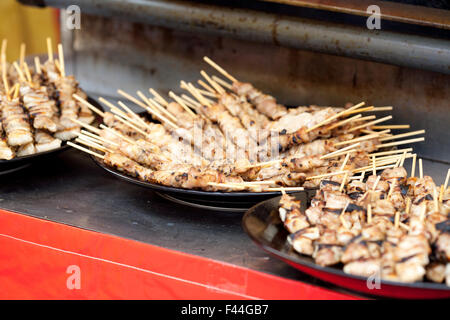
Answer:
x=251 y=25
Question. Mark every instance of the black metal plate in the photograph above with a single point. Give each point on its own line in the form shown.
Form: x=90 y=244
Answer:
x=230 y=200
x=7 y=166
x=263 y=225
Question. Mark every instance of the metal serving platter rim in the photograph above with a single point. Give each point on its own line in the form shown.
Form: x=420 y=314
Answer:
x=64 y=146
x=306 y=260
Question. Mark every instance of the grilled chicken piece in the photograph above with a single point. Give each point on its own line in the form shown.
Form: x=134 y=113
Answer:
x=26 y=150
x=40 y=107
x=15 y=123
x=363 y=268
x=435 y=272
x=6 y=153
x=45 y=142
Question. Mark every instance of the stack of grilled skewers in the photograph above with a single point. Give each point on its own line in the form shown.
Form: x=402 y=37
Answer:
x=233 y=137
x=392 y=226
x=36 y=105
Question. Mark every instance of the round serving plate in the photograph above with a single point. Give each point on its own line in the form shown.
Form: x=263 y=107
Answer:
x=222 y=201
x=265 y=228
x=18 y=163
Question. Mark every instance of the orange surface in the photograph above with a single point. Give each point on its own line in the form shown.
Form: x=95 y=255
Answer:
x=29 y=25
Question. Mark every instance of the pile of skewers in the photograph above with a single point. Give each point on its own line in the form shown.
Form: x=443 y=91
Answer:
x=233 y=137
x=392 y=226
x=36 y=105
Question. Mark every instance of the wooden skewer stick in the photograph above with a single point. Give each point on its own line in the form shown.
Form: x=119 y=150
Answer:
x=347 y=156
x=27 y=72
x=369 y=213
x=366 y=118
x=133 y=114
x=390 y=152
x=16 y=91
x=158 y=97
x=85 y=150
x=92 y=144
x=19 y=71
x=281 y=189
x=222 y=82
x=50 y=49
x=397 y=219
x=218 y=88
x=61 y=60
x=392 y=126
x=413 y=166
x=446 y=179
x=341 y=216
x=97 y=137
x=5 y=78
x=131 y=125
x=363 y=138
x=181 y=103
x=374 y=170
x=403 y=135
x=334 y=153
x=420 y=168
x=368 y=124
x=376 y=183
x=156 y=106
x=344 y=180
x=367 y=169
x=198 y=96
x=150 y=110
x=90 y=106
x=365 y=109
x=22 y=54
x=391 y=144
x=337 y=115
x=423 y=213
x=387 y=108
x=191 y=101
x=37 y=65
x=85 y=125
x=207 y=87
x=326 y=175
x=402 y=162
x=408 y=205
x=441 y=193
x=118 y=134
x=343 y=122
x=220 y=69
x=4 y=46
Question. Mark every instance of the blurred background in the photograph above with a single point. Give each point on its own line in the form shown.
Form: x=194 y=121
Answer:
x=30 y=25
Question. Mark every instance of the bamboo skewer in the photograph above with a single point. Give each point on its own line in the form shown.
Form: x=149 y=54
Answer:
x=390 y=152
x=363 y=138
x=27 y=72
x=403 y=135
x=158 y=97
x=22 y=54
x=420 y=169
x=118 y=134
x=365 y=109
x=368 y=124
x=150 y=110
x=37 y=65
x=369 y=213
x=220 y=69
x=133 y=114
x=152 y=104
x=182 y=104
x=85 y=125
x=61 y=60
x=334 y=153
x=343 y=122
x=90 y=106
x=207 y=87
x=76 y=146
x=50 y=49
x=218 y=88
x=222 y=82
x=392 y=126
x=413 y=166
x=399 y=143
x=447 y=179
x=337 y=115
